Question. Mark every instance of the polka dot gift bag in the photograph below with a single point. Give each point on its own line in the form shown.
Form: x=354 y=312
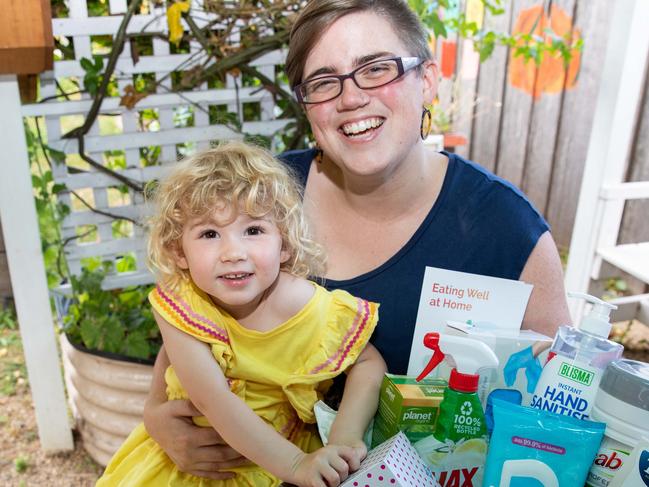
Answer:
x=394 y=463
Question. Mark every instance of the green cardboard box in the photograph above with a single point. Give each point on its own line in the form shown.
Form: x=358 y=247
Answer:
x=407 y=405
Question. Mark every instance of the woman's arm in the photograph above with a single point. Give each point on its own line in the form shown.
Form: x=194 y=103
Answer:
x=359 y=402
x=195 y=450
x=246 y=432
x=547 y=308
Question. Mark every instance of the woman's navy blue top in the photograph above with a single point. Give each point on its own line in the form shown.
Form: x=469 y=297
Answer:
x=480 y=224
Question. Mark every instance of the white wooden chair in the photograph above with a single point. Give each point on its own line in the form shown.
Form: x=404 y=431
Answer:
x=603 y=190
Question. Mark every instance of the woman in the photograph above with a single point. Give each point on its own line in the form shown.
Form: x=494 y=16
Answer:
x=383 y=205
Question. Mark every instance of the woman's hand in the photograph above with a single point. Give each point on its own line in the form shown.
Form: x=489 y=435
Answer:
x=326 y=467
x=195 y=450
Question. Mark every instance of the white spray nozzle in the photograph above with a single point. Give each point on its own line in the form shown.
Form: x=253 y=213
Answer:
x=597 y=320
x=468 y=354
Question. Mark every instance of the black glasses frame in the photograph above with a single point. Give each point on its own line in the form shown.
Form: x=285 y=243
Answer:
x=404 y=64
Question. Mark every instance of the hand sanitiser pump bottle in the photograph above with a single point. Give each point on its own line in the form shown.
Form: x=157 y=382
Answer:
x=571 y=376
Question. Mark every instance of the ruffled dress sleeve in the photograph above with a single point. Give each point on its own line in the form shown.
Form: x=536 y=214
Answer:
x=348 y=325
x=190 y=310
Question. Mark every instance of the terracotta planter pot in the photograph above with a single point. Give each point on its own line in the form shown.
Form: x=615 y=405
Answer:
x=106 y=396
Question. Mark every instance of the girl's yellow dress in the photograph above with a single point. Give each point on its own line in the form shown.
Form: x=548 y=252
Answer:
x=280 y=374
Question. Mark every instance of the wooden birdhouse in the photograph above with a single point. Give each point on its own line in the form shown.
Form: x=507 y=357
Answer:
x=26 y=41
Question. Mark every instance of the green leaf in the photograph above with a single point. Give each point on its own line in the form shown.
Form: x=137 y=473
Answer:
x=485 y=49
x=56 y=155
x=113 y=335
x=136 y=345
x=40 y=205
x=91 y=333
x=86 y=64
x=125 y=263
x=439 y=28
x=621 y=285
x=98 y=63
x=21 y=464
x=63 y=209
x=58 y=187
x=91 y=85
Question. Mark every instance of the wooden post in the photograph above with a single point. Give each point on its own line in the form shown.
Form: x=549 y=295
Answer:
x=26 y=45
x=27 y=270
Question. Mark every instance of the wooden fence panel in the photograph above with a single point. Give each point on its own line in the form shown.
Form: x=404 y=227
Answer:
x=489 y=96
x=635 y=222
x=514 y=129
x=576 y=121
x=545 y=118
x=466 y=77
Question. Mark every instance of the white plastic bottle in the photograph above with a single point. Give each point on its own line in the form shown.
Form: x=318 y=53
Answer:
x=570 y=378
x=623 y=404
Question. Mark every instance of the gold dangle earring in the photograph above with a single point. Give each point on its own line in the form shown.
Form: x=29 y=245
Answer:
x=426 y=123
x=319 y=154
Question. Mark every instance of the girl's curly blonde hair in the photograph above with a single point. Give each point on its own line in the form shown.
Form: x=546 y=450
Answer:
x=244 y=177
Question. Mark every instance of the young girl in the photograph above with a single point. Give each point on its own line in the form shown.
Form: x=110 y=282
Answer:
x=252 y=343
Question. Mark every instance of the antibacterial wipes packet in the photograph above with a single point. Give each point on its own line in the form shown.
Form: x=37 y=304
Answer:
x=532 y=448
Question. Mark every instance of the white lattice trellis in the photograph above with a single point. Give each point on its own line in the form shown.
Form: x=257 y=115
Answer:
x=17 y=206
x=96 y=187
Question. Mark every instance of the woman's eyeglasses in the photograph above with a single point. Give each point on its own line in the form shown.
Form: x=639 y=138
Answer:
x=371 y=75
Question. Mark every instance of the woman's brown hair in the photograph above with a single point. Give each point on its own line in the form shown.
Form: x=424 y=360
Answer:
x=318 y=15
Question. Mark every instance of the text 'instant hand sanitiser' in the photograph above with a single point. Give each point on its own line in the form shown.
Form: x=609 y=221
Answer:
x=571 y=377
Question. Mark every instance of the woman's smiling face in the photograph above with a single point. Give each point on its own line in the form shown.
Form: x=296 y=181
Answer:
x=367 y=132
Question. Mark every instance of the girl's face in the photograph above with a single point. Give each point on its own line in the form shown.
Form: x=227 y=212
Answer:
x=393 y=112
x=232 y=257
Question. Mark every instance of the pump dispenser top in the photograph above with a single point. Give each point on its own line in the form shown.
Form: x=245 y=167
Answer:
x=570 y=378
x=597 y=321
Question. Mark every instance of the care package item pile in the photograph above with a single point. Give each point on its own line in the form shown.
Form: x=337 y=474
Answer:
x=532 y=448
x=548 y=423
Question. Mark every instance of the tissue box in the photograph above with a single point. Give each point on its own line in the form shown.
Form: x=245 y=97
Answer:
x=393 y=463
x=506 y=343
x=407 y=405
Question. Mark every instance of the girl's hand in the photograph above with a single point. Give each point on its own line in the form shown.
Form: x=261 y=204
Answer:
x=359 y=454
x=326 y=467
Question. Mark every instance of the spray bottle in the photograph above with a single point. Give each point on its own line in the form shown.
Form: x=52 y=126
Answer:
x=571 y=376
x=456 y=451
